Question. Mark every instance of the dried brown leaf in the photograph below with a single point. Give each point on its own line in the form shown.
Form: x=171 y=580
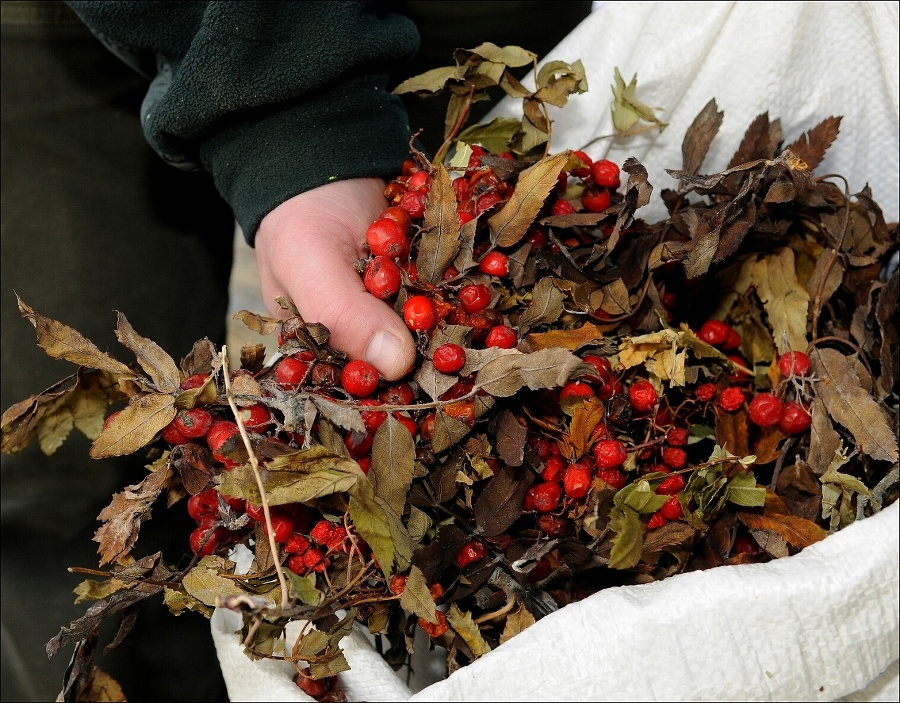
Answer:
x=511 y=435
x=570 y=339
x=811 y=146
x=439 y=243
x=547 y=368
x=699 y=137
x=153 y=359
x=393 y=461
x=135 y=426
x=500 y=503
x=796 y=531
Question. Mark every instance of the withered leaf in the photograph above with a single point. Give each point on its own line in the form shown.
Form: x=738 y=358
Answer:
x=135 y=426
x=511 y=437
x=205 y=583
x=493 y=136
x=439 y=243
x=448 y=431
x=699 y=137
x=340 y=415
x=202 y=358
x=671 y=534
x=62 y=342
x=759 y=141
x=157 y=363
x=517 y=621
x=393 y=461
x=545 y=307
x=811 y=146
x=546 y=368
x=532 y=188
x=258 y=323
x=122 y=518
x=585 y=419
x=193 y=462
x=432 y=81
x=416 y=597
x=466 y=628
x=732 y=431
x=784 y=298
x=851 y=406
x=796 y=531
x=103 y=687
x=500 y=503
x=253 y=357
x=432 y=381
x=570 y=339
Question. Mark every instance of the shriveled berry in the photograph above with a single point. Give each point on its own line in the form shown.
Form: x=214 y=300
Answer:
x=562 y=206
x=553 y=525
x=554 y=469
x=471 y=551
x=577 y=480
x=297 y=544
x=674 y=457
x=314 y=688
x=449 y=358
x=677 y=436
x=732 y=399
x=705 y=392
x=419 y=313
x=321 y=532
x=794 y=363
x=315 y=559
x=359 y=378
x=765 y=410
x=794 y=419
x=400 y=393
x=609 y=454
x=397 y=584
x=414 y=203
x=437 y=629
x=502 y=337
x=494 y=263
x=296 y=564
x=474 y=297
x=642 y=396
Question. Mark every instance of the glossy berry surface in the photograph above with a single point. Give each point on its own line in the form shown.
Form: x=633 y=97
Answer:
x=595 y=199
x=605 y=173
x=794 y=363
x=382 y=277
x=577 y=480
x=609 y=454
x=642 y=396
x=502 y=337
x=713 y=332
x=765 y=410
x=474 y=297
x=546 y=496
x=471 y=551
x=449 y=358
x=494 y=263
x=386 y=237
x=795 y=419
x=419 y=313
x=290 y=372
x=359 y=378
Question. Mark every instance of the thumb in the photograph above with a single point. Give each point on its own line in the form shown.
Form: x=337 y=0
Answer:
x=306 y=249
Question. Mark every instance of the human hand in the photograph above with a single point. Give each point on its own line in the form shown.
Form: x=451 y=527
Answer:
x=305 y=251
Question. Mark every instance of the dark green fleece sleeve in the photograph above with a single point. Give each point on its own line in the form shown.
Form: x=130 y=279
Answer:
x=273 y=98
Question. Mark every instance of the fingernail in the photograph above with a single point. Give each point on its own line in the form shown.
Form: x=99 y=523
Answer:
x=385 y=352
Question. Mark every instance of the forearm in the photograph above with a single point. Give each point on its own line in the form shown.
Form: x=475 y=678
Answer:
x=274 y=99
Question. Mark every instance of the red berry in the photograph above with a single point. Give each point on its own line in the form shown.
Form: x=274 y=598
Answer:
x=382 y=277
x=502 y=337
x=297 y=544
x=595 y=199
x=739 y=373
x=604 y=369
x=336 y=542
x=605 y=173
x=203 y=504
x=407 y=422
x=170 y=433
x=562 y=207
x=671 y=509
x=474 y=297
x=609 y=454
x=290 y=372
x=419 y=313
x=193 y=381
x=386 y=237
x=642 y=396
x=582 y=171
x=397 y=584
x=576 y=389
x=794 y=363
x=255 y=417
x=296 y=564
x=744 y=544
x=359 y=378
x=315 y=559
x=314 y=688
x=674 y=457
x=219 y=433
x=765 y=410
x=732 y=399
x=656 y=520
x=536 y=236
x=449 y=358
x=193 y=423
x=706 y=392
x=733 y=340
x=362 y=446
x=398 y=215
x=554 y=468
x=671 y=485
x=372 y=419
x=713 y=332
x=471 y=551
x=400 y=393
x=321 y=532
x=615 y=478
x=437 y=629
x=255 y=512
x=677 y=436
x=282 y=527
x=418 y=180
x=577 y=480
x=414 y=203
x=794 y=418
x=486 y=202
x=213 y=538
x=546 y=496
x=450 y=272
x=494 y=263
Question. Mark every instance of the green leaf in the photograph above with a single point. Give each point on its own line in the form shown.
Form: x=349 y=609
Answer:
x=493 y=136
x=432 y=81
x=204 y=582
x=626 y=109
x=629 y=540
x=639 y=496
x=742 y=490
x=303 y=588
x=416 y=597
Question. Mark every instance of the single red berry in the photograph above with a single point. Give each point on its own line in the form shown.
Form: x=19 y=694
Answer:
x=397 y=584
x=256 y=417
x=203 y=504
x=474 y=297
x=321 y=532
x=204 y=540
x=705 y=392
x=193 y=381
x=336 y=542
x=554 y=468
x=414 y=203
x=713 y=332
x=794 y=363
x=502 y=337
x=314 y=688
x=296 y=564
x=671 y=509
x=546 y=496
x=282 y=527
x=407 y=422
x=170 y=434
x=382 y=277
x=372 y=419
x=642 y=396
x=297 y=544
x=412 y=270
x=615 y=478
x=359 y=378
x=386 y=237
x=486 y=202
x=419 y=313
x=577 y=480
x=674 y=457
x=582 y=171
x=731 y=399
x=671 y=485
x=426 y=426
x=365 y=464
x=604 y=369
x=418 y=180
x=450 y=272
x=219 y=433
x=595 y=199
x=315 y=559
x=449 y=358
x=576 y=389
x=677 y=436
x=400 y=393
x=656 y=520
x=359 y=444
x=744 y=544
x=605 y=173
x=193 y=423
x=494 y=263
x=612 y=387
x=794 y=419
x=733 y=340
x=290 y=372
x=536 y=236
x=765 y=410
x=471 y=551
x=561 y=206
x=398 y=215
x=609 y=454
x=437 y=629
x=254 y=512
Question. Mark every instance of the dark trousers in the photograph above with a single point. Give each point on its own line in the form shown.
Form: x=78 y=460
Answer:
x=92 y=222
